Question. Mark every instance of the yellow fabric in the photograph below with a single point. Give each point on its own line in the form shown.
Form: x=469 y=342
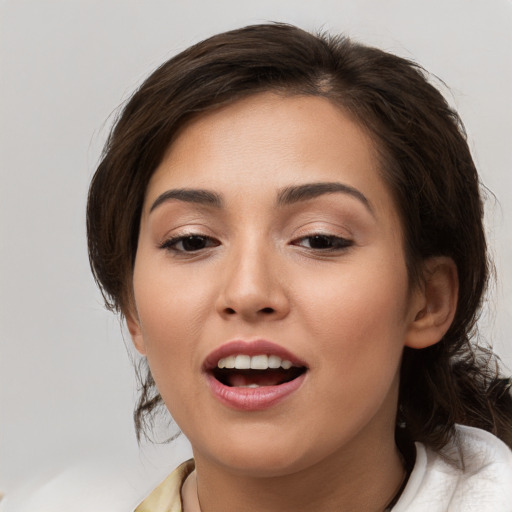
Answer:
x=167 y=496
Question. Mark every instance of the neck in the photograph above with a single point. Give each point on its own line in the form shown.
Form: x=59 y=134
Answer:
x=365 y=478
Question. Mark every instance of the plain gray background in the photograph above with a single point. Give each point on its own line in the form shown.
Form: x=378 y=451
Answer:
x=67 y=385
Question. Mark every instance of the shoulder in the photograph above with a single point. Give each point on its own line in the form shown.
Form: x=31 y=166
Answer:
x=473 y=472
x=167 y=496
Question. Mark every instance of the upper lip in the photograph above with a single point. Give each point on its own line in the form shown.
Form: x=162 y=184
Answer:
x=249 y=348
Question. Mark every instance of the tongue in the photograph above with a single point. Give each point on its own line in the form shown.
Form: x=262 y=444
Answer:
x=260 y=378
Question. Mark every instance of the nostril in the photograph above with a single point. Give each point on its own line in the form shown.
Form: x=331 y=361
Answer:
x=264 y=311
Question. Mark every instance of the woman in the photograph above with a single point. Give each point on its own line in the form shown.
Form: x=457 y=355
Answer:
x=291 y=226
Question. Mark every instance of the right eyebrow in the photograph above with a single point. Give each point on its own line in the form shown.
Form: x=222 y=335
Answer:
x=188 y=195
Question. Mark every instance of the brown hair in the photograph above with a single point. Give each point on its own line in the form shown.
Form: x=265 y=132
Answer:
x=425 y=159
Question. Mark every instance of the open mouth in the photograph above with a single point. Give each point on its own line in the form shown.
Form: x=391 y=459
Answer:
x=262 y=370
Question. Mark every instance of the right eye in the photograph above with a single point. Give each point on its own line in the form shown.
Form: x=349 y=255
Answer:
x=189 y=243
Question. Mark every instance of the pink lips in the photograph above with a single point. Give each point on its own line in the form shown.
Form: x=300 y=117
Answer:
x=251 y=399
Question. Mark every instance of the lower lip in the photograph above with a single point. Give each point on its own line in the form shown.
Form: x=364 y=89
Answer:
x=253 y=399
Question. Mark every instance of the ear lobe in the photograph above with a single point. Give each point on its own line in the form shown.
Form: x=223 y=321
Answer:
x=434 y=304
x=135 y=329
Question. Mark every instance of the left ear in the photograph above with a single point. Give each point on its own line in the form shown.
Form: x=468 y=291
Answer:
x=434 y=303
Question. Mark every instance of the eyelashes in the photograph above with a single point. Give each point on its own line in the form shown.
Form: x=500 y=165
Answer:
x=321 y=242
x=196 y=243
x=189 y=243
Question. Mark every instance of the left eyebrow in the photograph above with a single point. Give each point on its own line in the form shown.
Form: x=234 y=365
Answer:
x=295 y=194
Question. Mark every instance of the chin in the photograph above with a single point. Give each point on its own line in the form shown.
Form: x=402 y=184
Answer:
x=262 y=454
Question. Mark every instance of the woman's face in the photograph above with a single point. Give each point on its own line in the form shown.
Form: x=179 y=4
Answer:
x=268 y=238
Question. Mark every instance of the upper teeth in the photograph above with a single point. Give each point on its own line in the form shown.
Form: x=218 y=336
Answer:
x=261 y=362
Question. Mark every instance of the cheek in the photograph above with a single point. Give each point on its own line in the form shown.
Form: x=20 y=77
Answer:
x=169 y=320
x=357 y=321
x=359 y=310
x=171 y=306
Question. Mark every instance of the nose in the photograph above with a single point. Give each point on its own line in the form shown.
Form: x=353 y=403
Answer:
x=252 y=288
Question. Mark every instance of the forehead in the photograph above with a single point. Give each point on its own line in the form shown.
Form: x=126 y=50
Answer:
x=269 y=141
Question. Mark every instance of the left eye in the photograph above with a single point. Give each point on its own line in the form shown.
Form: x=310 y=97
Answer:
x=323 y=242
x=189 y=243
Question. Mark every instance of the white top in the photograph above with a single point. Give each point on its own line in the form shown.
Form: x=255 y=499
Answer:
x=485 y=484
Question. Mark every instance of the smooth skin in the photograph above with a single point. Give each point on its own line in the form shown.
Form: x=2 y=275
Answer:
x=322 y=275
